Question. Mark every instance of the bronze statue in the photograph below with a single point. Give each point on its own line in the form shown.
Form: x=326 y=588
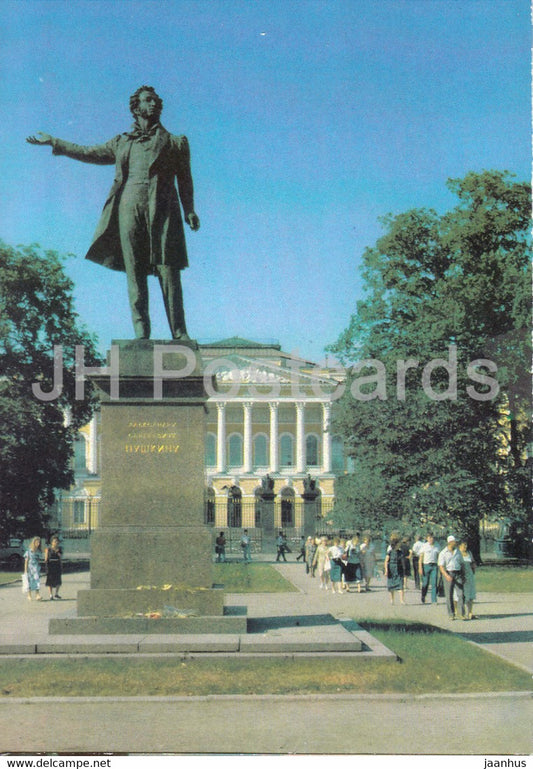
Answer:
x=141 y=228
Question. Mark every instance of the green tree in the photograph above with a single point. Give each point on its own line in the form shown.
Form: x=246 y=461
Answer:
x=36 y=441
x=441 y=443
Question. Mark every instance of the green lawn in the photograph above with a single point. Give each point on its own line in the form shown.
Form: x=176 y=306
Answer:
x=8 y=576
x=504 y=579
x=429 y=660
x=251 y=578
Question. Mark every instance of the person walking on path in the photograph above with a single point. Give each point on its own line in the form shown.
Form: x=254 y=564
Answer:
x=281 y=544
x=368 y=560
x=393 y=568
x=353 y=569
x=335 y=553
x=415 y=559
x=52 y=559
x=220 y=547
x=451 y=565
x=428 y=568
x=310 y=548
x=246 y=545
x=32 y=568
x=406 y=560
x=321 y=563
x=470 y=580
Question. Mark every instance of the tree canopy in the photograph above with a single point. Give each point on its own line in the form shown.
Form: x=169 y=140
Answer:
x=39 y=417
x=436 y=414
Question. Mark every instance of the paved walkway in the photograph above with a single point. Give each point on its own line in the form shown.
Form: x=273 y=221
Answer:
x=383 y=724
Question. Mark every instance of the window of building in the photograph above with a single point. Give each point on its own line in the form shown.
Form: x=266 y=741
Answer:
x=287 y=507
x=260 y=451
x=286 y=445
x=80 y=455
x=311 y=450
x=78 y=511
x=210 y=450
x=337 y=454
x=235 y=450
x=235 y=507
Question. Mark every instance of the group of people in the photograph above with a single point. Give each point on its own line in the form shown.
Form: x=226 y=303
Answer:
x=345 y=565
x=246 y=547
x=452 y=566
x=32 y=569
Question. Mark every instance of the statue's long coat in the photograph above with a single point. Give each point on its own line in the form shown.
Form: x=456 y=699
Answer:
x=170 y=161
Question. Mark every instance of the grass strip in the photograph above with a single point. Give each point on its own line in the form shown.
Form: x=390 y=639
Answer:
x=429 y=660
x=251 y=578
x=504 y=579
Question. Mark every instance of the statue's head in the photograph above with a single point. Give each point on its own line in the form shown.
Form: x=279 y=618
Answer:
x=134 y=99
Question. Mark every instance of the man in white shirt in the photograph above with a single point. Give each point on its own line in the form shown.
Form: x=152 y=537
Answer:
x=427 y=567
x=246 y=545
x=451 y=566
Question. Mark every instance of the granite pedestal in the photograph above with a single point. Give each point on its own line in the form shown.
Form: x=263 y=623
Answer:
x=151 y=554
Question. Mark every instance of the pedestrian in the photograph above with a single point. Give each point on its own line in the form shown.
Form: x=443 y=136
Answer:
x=310 y=548
x=353 y=569
x=281 y=544
x=393 y=568
x=32 y=568
x=406 y=560
x=428 y=569
x=53 y=560
x=302 y=550
x=451 y=565
x=220 y=547
x=368 y=559
x=470 y=580
x=336 y=566
x=246 y=545
x=415 y=559
x=321 y=563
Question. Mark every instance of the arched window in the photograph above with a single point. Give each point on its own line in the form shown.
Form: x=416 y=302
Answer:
x=235 y=450
x=210 y=450
x=286 y=446
x=337 y=454
x=235 y=507
x=260 y=451
x=311 y=450
x=287 y=507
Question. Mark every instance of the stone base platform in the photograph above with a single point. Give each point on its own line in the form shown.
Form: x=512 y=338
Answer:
x=229 y=622
x=319 y=636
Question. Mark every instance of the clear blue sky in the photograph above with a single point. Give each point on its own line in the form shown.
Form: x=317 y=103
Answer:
x=307 y=120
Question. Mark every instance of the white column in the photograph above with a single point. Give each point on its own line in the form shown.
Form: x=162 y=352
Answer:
x=326 y=438
x=92 y=458
x=247 y=466
x=274 y=452
x=221 y=437
x=300 y=437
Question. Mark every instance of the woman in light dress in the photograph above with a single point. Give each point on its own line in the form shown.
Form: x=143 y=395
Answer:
x=32 y=568
x=368 y=558
x=321 y=563
x=335 y=553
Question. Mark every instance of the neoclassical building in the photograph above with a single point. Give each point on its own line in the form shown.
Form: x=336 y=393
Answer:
x=270 y=459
